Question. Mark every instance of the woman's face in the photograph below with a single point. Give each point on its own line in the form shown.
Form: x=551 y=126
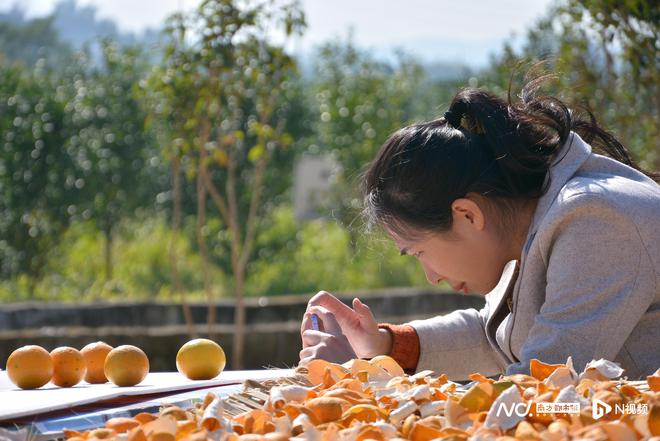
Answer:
x=470 y=257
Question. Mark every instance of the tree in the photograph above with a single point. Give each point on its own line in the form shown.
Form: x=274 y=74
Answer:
x=33 y=41
x=360 y=101
x=606 y=57
x=170 y=103
x=117 y=157
x=39 y=179
x=238 y=81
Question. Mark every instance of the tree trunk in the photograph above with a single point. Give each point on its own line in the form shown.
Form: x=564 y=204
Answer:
x=201 y=222
x=240 y=251
x=240 y=259
x=177 y=289
x=239 y=321
x=107 y=233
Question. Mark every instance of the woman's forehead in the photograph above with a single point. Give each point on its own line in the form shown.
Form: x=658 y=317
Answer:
x=403 y=240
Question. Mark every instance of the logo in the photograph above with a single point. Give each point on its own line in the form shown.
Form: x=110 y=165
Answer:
x=520 y=409
x=541 y=408
x=599 y=409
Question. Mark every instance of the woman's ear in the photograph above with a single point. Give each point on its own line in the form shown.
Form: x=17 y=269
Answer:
x=467 y=213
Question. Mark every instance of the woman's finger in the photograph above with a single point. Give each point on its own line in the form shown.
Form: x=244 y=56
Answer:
x=344 y=314
x=310 y=321
x=306 y=323
x=367 y=319
x=327 y=320
x=312 y=337
x=337 y=352
x=306 y=354
x=304 y=361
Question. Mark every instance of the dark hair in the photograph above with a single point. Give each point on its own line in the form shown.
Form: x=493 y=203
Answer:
x=484 y=144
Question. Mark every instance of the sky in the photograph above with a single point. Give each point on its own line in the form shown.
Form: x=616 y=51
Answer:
x=435 y=30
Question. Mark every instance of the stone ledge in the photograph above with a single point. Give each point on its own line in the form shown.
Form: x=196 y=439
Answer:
x=390 y=302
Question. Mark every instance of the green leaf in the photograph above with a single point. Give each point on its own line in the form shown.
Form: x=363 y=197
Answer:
x=256 y=152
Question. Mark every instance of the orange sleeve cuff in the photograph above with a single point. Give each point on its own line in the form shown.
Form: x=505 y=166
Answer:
x=405 y=345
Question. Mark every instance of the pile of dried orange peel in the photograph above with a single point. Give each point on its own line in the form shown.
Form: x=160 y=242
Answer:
x=376 y=400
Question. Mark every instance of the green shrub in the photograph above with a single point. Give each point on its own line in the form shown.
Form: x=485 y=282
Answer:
x=290 y=258
x=318 y=255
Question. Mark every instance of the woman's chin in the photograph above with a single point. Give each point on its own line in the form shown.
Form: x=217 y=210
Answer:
x=477 y=290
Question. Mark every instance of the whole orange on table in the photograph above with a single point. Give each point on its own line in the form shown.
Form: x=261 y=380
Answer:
x=201 y=359
x=126 y=365
x=94 y=355
x=30 y=367
x=68 y=366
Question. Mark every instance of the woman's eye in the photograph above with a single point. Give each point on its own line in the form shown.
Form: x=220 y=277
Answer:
x=418 y=254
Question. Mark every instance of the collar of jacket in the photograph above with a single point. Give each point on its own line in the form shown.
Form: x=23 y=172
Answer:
x=495 y=302
x=570 y=158
x=498 y=296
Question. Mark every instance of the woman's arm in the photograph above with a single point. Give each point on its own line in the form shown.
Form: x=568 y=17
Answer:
x=456 y=344
x=403 y=345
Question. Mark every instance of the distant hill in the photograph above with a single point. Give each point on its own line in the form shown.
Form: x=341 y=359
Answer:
x=75 y=25
x=78 y=26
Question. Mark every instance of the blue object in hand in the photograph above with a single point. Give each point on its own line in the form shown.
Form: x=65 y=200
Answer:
x=315 y=322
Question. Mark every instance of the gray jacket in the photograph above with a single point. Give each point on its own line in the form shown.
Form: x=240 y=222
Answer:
x=587 y=283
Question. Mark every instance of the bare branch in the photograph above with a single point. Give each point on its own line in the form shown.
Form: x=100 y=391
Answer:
x=236 y=244
x=256 y=190
x=254 y=204
x=176 y=227
x=201 y=222
x=216 y=197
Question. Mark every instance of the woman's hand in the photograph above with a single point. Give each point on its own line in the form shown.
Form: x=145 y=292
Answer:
x=331 y=344
x=357 y=325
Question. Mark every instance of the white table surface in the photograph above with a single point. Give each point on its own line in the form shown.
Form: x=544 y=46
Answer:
x=17 y=403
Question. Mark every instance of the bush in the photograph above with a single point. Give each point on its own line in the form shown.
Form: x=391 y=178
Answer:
x=290 y=258
x=318 y=255
x=142 y=269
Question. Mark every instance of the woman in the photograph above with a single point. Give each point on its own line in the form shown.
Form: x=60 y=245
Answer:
x=508 y=200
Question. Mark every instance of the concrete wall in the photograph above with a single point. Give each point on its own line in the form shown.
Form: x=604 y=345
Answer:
x=159 y=328
x=313 y=178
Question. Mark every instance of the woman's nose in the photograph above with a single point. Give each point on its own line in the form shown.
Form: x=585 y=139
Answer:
x=432 y=277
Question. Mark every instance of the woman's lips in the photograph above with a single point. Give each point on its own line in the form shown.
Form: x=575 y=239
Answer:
x=463 y=288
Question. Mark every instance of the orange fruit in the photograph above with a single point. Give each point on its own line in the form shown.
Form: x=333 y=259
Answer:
x=201 y=359
x=126 y=365
x=68 y=366
x=94 y=355
x=30 y=367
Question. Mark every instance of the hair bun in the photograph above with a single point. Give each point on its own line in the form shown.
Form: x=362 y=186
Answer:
x=454 y=119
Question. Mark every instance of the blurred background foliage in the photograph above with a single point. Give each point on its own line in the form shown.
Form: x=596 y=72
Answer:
x=97 y=144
